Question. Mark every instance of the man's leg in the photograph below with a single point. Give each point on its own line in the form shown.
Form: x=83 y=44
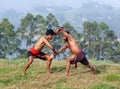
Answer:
x=48 y=66
x=85 y=62
x=75 y=65
x=91 y=68
x=69 y=59
x=30 y=60
x=49 y=60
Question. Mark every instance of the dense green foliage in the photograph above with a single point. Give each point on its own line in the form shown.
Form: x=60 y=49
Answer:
x=8 y=41
x=96 y=39
x=100 y=42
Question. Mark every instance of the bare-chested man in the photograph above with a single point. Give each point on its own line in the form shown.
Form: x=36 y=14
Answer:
x=77 y=54
x=35 y=51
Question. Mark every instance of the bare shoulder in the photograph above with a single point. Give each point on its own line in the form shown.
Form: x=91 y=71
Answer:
x=70 y=37
x=41 y=39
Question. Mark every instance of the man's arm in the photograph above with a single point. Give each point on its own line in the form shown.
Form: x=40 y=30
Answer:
x=63 y=48
x=49 y=45
x=58 y=30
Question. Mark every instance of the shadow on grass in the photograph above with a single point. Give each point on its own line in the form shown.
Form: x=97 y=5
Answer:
x=58 y=69
x=87 y=71
x=101 y=69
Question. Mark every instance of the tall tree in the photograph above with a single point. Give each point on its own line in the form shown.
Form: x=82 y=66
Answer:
x=8 y=41
x=100 y=41
x=51 y=21
x=31 y=28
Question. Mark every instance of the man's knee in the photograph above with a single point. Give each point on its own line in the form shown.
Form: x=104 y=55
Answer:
x=49 y=59
x=67 y=61
x=47 y=56
x=30 y=61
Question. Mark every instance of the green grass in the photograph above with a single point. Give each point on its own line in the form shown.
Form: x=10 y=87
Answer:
x=82 y=78
x=13 y=79
x=61 y=80
x=102 y=86
x=64 y=88
x=5 y=70
x=112 y=77
x=101 y=69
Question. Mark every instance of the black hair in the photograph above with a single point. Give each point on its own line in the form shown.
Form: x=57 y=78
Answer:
x=50 y=32
x=67 y=32
x=66 y=40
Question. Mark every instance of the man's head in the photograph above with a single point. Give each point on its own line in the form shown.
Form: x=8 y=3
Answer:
x=50 y=33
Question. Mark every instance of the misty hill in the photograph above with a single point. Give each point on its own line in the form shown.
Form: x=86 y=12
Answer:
x=91 y=11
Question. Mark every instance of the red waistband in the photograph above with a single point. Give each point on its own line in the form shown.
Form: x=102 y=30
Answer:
x=34 y=51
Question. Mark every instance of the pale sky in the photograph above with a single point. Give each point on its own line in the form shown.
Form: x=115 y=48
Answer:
x=30 y=4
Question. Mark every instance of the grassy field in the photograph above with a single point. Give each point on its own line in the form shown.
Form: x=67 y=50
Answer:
x=82 y=78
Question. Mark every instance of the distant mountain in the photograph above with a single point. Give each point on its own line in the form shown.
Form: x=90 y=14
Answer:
x=93 y=11
x=90 y=11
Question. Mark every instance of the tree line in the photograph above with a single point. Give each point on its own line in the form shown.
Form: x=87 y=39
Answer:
x=96 y=39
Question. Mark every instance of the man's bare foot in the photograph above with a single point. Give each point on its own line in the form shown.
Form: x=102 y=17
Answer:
x=94 y=72
x=24 y=73
x=48 y=73
x=66 y=74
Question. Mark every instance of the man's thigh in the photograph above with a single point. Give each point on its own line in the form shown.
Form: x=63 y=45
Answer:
x=42 y=56
x=72 y=59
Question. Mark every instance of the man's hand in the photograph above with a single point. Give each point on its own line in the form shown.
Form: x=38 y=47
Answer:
x=61 y=29
x=54 y=51
x=57 y=53
x=58 y=30
x=51 y=56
